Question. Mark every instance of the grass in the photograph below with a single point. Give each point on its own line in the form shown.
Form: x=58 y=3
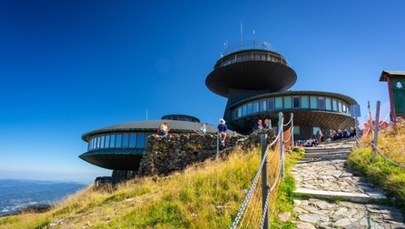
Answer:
x=382 y=172
x=203 y=196
x=285 y=199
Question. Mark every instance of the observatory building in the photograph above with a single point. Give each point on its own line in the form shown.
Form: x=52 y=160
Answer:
x=256 y=81
x=121 y=147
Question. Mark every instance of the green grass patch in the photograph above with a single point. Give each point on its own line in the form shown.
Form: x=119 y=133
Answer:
x=382 y=172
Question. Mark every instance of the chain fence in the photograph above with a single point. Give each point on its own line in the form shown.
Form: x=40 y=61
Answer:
x=262 y=192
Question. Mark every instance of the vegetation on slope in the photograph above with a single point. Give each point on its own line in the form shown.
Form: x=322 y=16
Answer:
x=382 y=172
x=203 y=196
x=285 y=199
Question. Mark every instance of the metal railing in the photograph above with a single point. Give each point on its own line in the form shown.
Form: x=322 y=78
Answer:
x=254 y=210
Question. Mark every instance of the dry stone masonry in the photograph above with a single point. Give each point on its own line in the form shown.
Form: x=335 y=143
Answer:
x=175 y=152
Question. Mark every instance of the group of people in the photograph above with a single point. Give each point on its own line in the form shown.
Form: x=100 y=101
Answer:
x=260 y=125
x=339 y=134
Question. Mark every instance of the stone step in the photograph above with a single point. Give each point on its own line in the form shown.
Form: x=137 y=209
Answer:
x=336 y=155
x=355 y=197
x=315 y=149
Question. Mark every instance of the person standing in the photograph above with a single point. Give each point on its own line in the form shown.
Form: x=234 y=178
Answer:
x=258 y=125
x=222 y=131
x=164 y=129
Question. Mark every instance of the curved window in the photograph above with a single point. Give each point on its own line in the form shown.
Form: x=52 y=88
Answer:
x=321 y=103
x=140 y=140
x=287 y=102
x=270 y=104
x=112 y=141
x=314 y=102
x=263 y=105
x=125 y=140
x=328 y=104
x=291 y=102
x=296 y=102
x=305 y=102
x=255 y=107
x=119 y=140
x=132 y=140
x=279 y=103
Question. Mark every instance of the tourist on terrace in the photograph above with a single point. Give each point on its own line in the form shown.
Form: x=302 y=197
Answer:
x=203 y=128
x=319 y=136
x=258 y=125
x=267 y=124
x=164 y=129
x=222 y=131
x=352 y=132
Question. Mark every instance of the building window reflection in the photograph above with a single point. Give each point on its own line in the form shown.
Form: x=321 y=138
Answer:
x=287 y=102
x=296 y=102
x=279 y=103
x=122 y=140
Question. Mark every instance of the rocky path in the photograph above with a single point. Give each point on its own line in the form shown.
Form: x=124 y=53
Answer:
x=322 y=175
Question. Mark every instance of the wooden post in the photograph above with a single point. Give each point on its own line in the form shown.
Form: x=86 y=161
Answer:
x=377 y=120
x=263 y=143
x=281 y=128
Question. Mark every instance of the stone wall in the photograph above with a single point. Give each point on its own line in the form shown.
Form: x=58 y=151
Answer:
x=175 y=152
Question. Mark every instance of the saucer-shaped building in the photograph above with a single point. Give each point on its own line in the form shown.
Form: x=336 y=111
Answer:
x=121 y=147
x=256 y=81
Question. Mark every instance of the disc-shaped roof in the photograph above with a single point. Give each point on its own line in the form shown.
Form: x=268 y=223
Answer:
x=251 y=74
x=115 y=158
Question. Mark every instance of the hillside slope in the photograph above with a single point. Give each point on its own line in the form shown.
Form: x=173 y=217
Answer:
x=204 y=196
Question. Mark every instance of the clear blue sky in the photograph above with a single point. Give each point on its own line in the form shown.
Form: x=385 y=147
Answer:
x=69 y=67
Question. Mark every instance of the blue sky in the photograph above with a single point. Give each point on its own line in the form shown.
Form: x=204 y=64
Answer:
x=69 y=67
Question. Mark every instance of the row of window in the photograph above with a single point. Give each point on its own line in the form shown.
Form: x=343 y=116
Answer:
x=119 y=140
x=252 y=56
x=292 y=102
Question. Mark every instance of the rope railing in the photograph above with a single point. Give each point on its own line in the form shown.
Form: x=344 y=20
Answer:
x=253 y=184
x=254 y=210
x=379 y=151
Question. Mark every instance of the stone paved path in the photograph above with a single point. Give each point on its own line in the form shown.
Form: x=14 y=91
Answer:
x=323 y=175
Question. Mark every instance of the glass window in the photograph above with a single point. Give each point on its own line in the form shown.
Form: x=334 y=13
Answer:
x=107 y=141
x=89 y=145
x=244 y=110
x=297 y=130
x=239 y=112
x=125 y=139
x=255 y=107
x=140 y=140
x=321 y=103
x=313 y=102
x=118 y=140
x=328 y=104
x=287 y=102
x=112 y=141
x=132 y=140
x=340 y=106
x=270 y=104
x=344 y=108
x=102 y=141
x=262 y=105
x=334 y=105
x=296 y=102
x=279 y=103
x=94 y=143
x=304 y=102
x=97 y=142
x=249 y=108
